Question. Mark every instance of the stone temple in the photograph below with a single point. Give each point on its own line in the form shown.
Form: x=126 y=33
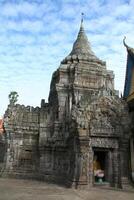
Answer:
x=80 y=137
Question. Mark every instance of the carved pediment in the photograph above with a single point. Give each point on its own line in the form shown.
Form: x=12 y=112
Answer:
x=101 y=126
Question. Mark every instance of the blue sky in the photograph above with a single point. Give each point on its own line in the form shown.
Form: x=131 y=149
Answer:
x=35 y=35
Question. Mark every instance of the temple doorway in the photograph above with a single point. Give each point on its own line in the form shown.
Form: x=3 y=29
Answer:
x=101 y=166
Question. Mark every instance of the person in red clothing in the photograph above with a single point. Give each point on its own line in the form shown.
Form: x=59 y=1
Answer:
x=98 y=172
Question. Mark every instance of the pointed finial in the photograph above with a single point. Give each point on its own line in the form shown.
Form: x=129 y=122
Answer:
x=125 y=42
x=82 y=15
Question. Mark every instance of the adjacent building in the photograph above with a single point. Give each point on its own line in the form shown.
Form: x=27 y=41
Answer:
x=129 y=97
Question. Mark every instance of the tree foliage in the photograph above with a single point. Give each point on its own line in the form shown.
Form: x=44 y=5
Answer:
x=13 y=97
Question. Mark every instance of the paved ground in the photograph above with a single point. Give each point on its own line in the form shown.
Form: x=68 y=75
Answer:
x=12 y=189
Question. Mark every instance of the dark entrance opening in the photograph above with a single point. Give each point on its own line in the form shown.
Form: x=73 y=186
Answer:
x=101 y=166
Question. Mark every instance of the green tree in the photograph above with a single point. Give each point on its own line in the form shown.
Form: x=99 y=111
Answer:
x=13 y=97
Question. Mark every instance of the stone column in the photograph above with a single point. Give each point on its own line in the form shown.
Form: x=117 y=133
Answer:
x=117 y=168
x=132 y=157
x=90 y=167
x=111 y=169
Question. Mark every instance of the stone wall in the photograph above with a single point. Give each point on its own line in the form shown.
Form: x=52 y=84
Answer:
x=22 y=136
x=32 y=150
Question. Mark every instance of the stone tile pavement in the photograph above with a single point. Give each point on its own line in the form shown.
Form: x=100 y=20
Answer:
x=14 y=189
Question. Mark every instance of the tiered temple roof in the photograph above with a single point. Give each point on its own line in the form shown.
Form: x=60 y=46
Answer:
x=81 y=48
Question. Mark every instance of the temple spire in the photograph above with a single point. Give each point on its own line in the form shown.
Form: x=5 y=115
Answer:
x=82 y=46
x=81 y=24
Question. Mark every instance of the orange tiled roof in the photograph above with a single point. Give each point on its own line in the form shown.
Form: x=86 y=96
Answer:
x=1 y=126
